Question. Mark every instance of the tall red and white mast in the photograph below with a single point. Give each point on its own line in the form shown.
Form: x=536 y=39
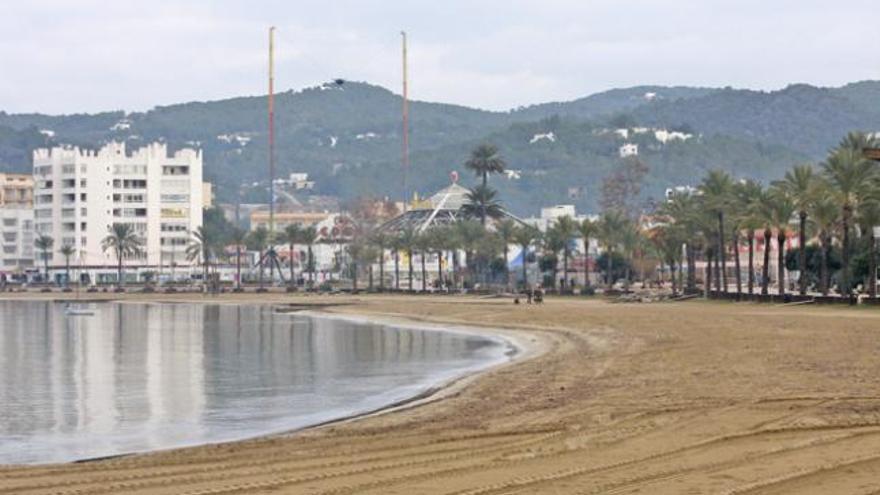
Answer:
x=405 y=145
x=271 y=130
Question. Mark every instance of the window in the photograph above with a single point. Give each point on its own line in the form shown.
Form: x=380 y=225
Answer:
x=82 y=197
x=68 y=169
x=129 y=169
x=82 y=183
x=10 y=222
x=82 y=226
x=173 y=227
x=43 y=170
x=83 y=211
x=175 y=170
x=173 y=241
x=10 y=237
x=129 y=212
x=174 y=198
x=175 y=212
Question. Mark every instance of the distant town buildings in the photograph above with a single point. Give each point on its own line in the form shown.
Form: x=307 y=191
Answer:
x=296 y=182
x=628 y=149
x=550 y=214
x=79 y=194
x=16 y=223
x=683 y=190
x=207 y=195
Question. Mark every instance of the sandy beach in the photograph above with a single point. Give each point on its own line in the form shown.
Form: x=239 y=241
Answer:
x=691 y=397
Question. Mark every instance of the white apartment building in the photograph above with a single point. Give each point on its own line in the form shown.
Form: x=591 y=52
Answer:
x=16 y=224
x=80 y=193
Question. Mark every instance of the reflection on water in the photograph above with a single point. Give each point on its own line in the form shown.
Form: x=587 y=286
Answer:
x=137 y=377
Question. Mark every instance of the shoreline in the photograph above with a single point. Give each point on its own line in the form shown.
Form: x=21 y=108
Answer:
x=514 y=349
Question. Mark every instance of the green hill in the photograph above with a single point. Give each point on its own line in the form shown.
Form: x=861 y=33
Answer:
x=348 y=137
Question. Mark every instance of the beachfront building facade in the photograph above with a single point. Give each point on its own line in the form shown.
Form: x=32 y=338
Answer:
x=79 y=194
x=16 y=225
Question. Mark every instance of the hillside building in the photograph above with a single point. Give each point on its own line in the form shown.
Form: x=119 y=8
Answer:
x=79 y=194
x=629 y=149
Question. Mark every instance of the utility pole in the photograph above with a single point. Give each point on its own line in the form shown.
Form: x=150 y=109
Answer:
x=405 y=146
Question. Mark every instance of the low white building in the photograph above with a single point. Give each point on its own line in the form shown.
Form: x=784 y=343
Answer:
x=17 y=234
x=79 y=194
x=16 y=224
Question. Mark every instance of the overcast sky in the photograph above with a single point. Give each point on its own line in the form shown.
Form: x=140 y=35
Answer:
x=63 y=56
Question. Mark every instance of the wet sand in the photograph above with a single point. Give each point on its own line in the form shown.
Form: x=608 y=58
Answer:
x=691 y=397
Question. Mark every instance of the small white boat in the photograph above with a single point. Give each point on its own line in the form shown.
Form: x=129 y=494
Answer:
x=72 y=311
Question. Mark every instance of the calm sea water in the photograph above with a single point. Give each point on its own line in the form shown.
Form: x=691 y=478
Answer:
x=138 y=377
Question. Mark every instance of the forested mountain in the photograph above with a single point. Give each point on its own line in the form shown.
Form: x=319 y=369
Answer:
x=347 y=136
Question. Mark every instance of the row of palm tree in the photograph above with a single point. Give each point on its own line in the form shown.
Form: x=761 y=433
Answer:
x=482 y=248
x=121 y=239
x=833 y=205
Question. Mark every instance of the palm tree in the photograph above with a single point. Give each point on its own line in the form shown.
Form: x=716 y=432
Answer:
x=122 y=239
x=716 y=189
x=452 y=244
x=852 y=177
x=869 y=217
x=567 y=228
x=202 y=246
x=485 y=160
x=799 y=184
x=630 y=242
x=587 y=229
x=525 y=237
x=749 y=195
x=238 y=236
x=481 y=203
x=408 y=237
x=396 y=245
x=667 y=241
x=379 y=239
x=554 y=242
x=767 y=220
x=257 y=240
x=356 y=250
x=685 y=211
x=782 y=208
x=291 y=236
x=309 y=236
x=44 y=243
x=67 y=251
x=423 y=244
x=506 y=230
x=436 y=239
x=608 y=232
x=469 y=234
x=824 y=215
